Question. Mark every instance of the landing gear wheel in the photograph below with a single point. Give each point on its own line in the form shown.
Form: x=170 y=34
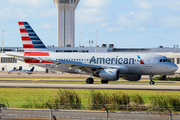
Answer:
x=89 y=81
x=104 y=81
x=151 y=82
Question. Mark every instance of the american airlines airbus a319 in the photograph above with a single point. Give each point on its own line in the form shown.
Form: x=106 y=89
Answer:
x=107 y=66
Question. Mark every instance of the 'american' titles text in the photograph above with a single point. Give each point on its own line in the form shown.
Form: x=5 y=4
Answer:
x=116 y=60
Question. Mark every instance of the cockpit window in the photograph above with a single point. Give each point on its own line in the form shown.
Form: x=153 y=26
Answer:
x=164 y=60
x=168 y=60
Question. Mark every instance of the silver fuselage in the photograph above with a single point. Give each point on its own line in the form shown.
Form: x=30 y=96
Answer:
x=127 y=63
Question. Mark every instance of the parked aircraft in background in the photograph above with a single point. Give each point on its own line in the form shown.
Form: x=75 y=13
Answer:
x=107 y=66
x=20 y=70
x=14 y=70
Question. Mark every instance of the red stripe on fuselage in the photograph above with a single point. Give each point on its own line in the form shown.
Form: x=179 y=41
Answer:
x=23 y=31
x=32 y=60
x=44 y=61
x=26 y=38
x=20 y=23
x=28 y=46
x=36 y=61
x=36 y=54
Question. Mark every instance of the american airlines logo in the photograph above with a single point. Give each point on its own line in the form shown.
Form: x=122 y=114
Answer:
x=108 y=60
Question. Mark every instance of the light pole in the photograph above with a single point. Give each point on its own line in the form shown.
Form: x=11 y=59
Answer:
x=96 y=41
x=2 y=40
x=80 y=40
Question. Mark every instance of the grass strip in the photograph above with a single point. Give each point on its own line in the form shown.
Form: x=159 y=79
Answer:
x=31 y=98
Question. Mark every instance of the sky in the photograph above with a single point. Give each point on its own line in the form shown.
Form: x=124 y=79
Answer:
x=124 y=23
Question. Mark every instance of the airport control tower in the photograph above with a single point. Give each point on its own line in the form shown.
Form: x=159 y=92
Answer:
x=65 y=22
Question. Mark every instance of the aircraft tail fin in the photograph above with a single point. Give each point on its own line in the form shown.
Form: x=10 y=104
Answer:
x=20 y=67
x=32 y=44
x=32 y=69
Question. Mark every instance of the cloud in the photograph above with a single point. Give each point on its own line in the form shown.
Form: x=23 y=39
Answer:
x=131 y=13
x=29 y=3
x=22 y=9
x=124 y=21
x=157 y=4
x=104 y=24
x=173 y=4
x=144 y=15
x=142 y=29
x=95 y=3
x=47 y=12
x=144 y=4
x=115 y=29
x=91 y=15
x=9 y=13
x=47 y=25
x=172 y=22
x=138 y=19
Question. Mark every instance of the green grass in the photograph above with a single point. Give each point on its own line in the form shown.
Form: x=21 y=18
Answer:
x=18 y=97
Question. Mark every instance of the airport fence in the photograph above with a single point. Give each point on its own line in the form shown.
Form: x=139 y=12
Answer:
x=125 y=113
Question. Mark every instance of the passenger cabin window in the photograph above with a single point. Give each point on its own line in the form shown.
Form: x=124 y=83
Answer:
x=160 y=60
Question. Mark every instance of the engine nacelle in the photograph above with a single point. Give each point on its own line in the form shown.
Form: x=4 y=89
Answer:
x=131 y=77
x=109 y=74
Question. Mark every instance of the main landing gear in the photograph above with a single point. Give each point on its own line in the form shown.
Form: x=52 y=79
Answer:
x=104 y=81
x=90 y=80
x=151 y=80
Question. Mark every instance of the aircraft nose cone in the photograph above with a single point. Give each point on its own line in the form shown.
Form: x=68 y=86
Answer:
x=174 y=67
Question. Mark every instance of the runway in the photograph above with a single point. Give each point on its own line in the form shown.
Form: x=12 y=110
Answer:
x=92 y=86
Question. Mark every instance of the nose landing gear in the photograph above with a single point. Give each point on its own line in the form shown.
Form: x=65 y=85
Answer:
x=151 y=80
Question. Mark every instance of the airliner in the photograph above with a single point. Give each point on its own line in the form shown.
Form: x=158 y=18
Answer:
x=20 y=70
x=106 y=66
x=29 y=72
x=14 y=70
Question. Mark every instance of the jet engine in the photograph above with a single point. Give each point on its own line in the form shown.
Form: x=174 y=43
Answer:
x=109 y=74
x=131 y=77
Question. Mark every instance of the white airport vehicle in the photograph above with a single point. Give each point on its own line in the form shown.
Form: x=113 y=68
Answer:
x=107 y=66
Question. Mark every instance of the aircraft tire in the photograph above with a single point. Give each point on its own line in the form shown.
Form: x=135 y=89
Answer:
x=152 y=82
x=104 y=81
x=89 y=80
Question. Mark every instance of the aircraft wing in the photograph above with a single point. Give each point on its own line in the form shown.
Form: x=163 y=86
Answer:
x=77 y=65
x=19 y=56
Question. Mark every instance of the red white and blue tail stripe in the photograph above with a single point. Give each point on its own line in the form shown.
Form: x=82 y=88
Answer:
x=32 y=44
